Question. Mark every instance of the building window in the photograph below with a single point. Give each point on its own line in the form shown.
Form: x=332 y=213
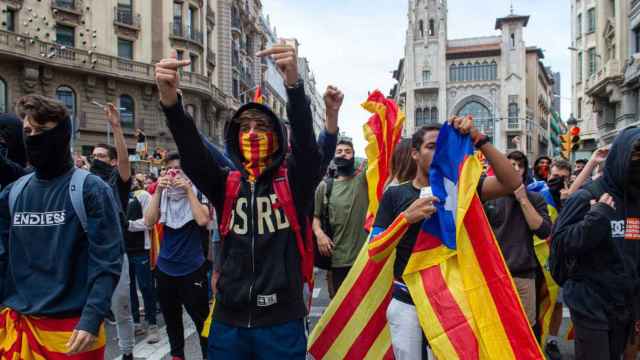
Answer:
x=434 y=115
x=591 y=20
x=432 y=28
x=579 y=67
x=180 y=54
x=419 y=117
x=453 y=76
x=177 y=18
x=513 y=40
x=482 y=117
x=191 y=21
x=421 y=29
x=236 y=88
x=426 y=76
x=513 y=112
x=67 y=96
x=3 y=96
x=636 y=39
x=127 y=111
x=579 y=26
x=65 y=35
x=125 y=48
x=194 y=62
x=493 y=73
x=10 y=20
x=580 y=108
x=592 y=61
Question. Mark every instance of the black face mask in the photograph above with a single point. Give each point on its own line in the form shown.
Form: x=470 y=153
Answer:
x=102 y=169
x=557 y=183
x=345 y=167
x=48 y=152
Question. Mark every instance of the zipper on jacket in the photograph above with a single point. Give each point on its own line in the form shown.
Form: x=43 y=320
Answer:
x=253 y=245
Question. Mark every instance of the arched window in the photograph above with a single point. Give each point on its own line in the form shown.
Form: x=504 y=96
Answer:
x=482 y=117
x=67 y=96
x=485 y=70
x=432 y=28
x=461 y=72
x=494 y=70
x=418 y=117
x=452 y=73
x=3 y=96
x=434 y=115
x=421 y=29
x=477 y=71
x=127 y=111
x=469 y=71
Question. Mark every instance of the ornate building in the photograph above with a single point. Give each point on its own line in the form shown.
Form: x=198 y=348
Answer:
x=497 y=79
x=88 y=51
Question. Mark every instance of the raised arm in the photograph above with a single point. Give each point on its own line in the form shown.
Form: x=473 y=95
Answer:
x=598 y=157
x=195 y=159
x=124 y=166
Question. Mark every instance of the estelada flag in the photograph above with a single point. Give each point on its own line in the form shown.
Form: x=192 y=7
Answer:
x=354 y=325
x=466 y=301
x=547 y=291
x=258 y=98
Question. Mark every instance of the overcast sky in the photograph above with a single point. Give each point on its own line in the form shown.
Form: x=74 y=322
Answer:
x=356 y=44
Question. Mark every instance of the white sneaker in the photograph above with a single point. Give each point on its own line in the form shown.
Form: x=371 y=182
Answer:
x=154 y=336
x=139 y=329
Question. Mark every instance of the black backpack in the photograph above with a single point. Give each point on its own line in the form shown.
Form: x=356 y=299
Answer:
x=321 y=261
x=561 y=265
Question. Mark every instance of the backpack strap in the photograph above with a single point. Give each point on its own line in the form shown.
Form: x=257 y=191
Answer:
x=232 y=190
x=76 y=191
x=304 y=243
x=16 y=190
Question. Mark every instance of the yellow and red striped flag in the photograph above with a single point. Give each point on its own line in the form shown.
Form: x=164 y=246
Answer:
x=258 y=98
x=549 y=289
x=38 y=338
x=465 y=298
x=156 y=239
x=354 y=325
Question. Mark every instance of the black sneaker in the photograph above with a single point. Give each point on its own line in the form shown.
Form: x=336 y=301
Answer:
x=127 y=357
x=111 y=319
x=552 y=350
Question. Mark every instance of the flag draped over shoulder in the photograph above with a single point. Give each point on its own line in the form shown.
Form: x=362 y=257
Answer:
x=156 y=238
x=466 y=301
x=38 y=338
x=354 y=325
x=548 y=291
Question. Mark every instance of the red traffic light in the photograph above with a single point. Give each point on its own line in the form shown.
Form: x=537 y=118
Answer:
x=575 y=131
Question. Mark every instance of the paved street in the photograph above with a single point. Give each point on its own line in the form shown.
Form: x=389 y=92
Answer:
x=192 y=351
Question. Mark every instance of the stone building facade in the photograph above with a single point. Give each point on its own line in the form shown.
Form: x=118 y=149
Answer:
x=631 y=93
x=88 y=51
x=497 y=79
x=603 y=47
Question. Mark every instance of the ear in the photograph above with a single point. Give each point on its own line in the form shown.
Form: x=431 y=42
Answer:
x=415 y=154
x=114 y=162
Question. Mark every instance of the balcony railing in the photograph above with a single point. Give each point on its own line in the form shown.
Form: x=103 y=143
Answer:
x=235 y=23
x=126 y=16
x=30 y=49
x=235 y=58
x=513 y=123
x=187 y=33
x=65 y=4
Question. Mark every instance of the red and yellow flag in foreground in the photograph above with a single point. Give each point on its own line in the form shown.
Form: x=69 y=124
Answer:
x=37 y=338
x=258 y=98
x=354 y=325
x=465 y=298
x=156 y=239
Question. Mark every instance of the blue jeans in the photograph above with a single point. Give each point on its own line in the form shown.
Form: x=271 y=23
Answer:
x=140 y=270
x=285 y=341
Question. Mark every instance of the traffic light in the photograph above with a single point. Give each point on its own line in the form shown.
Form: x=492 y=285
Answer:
x=567 y=146
x=575 y=138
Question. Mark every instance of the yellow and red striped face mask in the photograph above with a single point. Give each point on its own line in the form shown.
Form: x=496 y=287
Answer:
x=257 y=148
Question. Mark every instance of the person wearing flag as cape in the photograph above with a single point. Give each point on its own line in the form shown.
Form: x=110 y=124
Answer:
x=259 y=306
x=402 y=211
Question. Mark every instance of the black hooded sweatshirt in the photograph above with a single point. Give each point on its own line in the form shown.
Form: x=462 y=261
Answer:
x=603 y=286
x=13 y=158
x=260 y=282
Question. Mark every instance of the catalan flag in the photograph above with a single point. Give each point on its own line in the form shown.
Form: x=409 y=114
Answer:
x=465 y=298
x=548 y=293
x=156 y=239
x=38 y=338
x=354 y=325
x=258 y=98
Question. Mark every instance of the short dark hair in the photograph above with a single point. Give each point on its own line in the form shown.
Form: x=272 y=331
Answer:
x=111 y=150
x=520 y=157
x=562 y=165
x=582 y=161
x=171 y=157
x=418 y=137
x=41 y=109
x=345 y=142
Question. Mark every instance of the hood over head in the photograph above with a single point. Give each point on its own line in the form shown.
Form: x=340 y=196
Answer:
x=232 y=142
x=11 y=132
x=616 y=169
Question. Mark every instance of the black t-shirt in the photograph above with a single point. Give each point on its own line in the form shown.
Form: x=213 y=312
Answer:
x=394 y=201
x=120 y=189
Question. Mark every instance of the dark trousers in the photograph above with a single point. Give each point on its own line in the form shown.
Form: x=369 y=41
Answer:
x=601 y=344
x=285 y=341
x=189 y=291
x=140 y=273
x=338 y=274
